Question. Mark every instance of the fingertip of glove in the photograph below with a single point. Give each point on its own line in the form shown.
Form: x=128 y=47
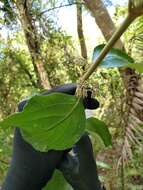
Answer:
x=21 y=105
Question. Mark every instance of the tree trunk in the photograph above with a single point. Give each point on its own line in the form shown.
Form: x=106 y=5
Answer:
x=80 y=31
x=33 y=43
x=102 y=19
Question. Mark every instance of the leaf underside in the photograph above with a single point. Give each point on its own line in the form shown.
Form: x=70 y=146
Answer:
x=114 y=58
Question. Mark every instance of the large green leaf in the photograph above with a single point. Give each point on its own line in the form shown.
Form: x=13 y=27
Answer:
x=115 y=58
x=99 y=127
x=57 y=182
x=48 y=122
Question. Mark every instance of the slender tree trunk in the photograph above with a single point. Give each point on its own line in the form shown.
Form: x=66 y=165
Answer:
x=32 y=43
x=80 y=31
x=103 y=19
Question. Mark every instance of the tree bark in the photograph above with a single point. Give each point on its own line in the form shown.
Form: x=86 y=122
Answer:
x=80 y=31
x=102 y=19
x=32 y=43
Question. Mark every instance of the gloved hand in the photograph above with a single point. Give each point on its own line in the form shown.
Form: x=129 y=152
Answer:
x=31 y=169
x=80 y=170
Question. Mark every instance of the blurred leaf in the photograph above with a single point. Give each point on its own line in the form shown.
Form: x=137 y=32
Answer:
x=114 y=58
x=57 y=182
x=100 y=128
x=137 y=66
x=48 y=122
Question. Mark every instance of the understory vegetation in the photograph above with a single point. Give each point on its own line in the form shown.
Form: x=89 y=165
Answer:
x=36 y=53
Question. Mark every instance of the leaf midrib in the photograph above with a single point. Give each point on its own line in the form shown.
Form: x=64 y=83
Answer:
x=64 y=118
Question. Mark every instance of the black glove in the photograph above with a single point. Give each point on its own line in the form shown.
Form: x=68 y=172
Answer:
x=80 y=170
x=31 y=169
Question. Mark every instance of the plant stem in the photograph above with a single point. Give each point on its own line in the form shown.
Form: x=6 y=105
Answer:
x=129 y=19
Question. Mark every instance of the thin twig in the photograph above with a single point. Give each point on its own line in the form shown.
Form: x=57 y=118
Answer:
x=58 y=7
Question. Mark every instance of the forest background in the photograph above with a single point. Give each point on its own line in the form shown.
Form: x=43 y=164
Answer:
x=47 y=43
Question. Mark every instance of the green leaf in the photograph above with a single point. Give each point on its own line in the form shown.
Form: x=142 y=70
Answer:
x=137 y=66
x=57 y=182
x=99 y=127
x=114 y=58
x=48 y=122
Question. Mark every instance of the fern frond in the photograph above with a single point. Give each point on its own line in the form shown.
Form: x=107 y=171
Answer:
x=133 y=119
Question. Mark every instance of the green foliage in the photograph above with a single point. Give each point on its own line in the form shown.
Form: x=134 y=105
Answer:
x=115 y=58
x=16 y=77
x=5 y=151
x=8 y=14
x=62 y=63
x=134 y=40
x=94 y=125
x=48 y=122
x=57 y=182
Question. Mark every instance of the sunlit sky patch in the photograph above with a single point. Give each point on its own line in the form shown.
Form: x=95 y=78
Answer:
x=67 y=20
